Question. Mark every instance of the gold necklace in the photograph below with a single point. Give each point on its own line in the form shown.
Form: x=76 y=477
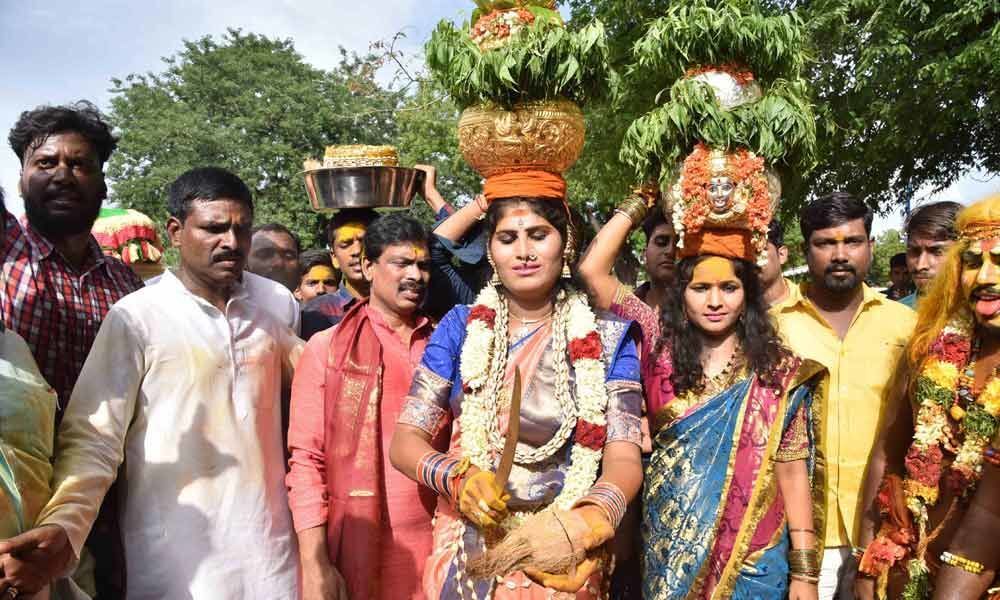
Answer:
x=724 y=378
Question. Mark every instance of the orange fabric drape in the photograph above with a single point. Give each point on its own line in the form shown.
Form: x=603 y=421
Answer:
x=730 y=243
x=527 y=184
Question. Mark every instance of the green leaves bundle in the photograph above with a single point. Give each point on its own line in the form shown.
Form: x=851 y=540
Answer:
x=541 y=62
x=728 y=34
x=711 y=33
x=779 y=127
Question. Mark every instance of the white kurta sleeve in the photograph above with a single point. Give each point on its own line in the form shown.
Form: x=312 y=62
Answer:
x=90 y=442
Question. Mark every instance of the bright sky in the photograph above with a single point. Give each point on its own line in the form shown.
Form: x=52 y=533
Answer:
x=62 y=50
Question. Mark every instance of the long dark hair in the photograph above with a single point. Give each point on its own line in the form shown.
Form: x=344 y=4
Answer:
x=553 y=211
x=762 y=348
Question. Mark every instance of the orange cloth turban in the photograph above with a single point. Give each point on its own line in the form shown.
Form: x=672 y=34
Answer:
x=730 y=243
x=526 y=184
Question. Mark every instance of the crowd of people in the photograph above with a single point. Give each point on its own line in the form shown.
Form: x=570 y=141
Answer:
x=477 y=411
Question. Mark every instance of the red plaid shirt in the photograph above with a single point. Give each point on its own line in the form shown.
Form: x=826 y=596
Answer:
x=55 y=307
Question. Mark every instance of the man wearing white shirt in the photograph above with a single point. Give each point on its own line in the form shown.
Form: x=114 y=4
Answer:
x=183 y=384
x=271 y=295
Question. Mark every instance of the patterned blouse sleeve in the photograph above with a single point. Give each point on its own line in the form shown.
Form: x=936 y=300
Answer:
x=628 y=306
x=426 y=405
x=795 y=440
x=625 y=392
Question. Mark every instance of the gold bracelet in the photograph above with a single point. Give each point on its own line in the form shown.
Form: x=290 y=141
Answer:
x=966 y=564
x=632 y=208
x=804 y=561
x=805 y=578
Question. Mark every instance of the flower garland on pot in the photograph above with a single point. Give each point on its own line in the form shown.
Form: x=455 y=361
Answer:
x=484 y=364
x=950 y=418
x=493 y=30
x=738 y=72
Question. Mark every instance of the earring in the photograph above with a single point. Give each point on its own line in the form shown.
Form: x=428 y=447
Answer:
x=495 y=278
x=568 y=253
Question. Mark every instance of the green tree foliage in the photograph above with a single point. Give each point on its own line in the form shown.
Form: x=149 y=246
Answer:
x=909 y=92
x=906 y=91
x=249 y=104
x=887 y=245
x=427 y=123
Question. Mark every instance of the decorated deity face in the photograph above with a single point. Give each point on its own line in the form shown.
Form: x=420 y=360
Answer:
x=981 y=281
x=714 y=298
x=527 y=251
x=720 y=193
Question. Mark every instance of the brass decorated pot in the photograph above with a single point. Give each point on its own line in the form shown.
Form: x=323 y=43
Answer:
x=544 y=135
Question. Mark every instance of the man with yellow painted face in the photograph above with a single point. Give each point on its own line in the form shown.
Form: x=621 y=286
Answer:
x=345 y=234
x=936 y=485
x=316 y=276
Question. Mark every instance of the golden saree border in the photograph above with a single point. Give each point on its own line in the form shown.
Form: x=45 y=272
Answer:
x=764 y=491
x=819 y=477
x=699 y=581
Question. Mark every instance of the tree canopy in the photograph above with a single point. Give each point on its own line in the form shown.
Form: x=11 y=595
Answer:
x=906 y=92
x=905 y=96
x=249 y=104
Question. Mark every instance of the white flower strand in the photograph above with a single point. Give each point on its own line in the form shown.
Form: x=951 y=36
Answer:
x=483 y=365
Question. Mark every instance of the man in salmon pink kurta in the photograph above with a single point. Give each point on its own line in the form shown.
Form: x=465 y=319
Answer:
x=363 y=527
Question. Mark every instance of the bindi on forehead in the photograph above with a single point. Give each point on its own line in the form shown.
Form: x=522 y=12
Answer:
x=419 y=252
x=520 y=213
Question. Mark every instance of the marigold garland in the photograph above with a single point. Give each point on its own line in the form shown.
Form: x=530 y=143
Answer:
x=949 y=420
x=483 y=363
x=738 y=72
x=493 y=29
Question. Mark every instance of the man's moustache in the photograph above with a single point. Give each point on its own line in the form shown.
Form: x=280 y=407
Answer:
x=986 y=290
x=840 y=269
x=234 y=256
x=412 y=286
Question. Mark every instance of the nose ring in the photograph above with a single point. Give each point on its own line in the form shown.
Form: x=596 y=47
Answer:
x=532 y=257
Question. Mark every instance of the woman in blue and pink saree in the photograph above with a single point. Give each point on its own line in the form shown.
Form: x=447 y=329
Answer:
x=730 y=501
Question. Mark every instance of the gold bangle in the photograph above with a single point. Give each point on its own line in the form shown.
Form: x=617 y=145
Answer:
x=804 y=561
x=805 y=578
x=632 y=208
x=966 y=564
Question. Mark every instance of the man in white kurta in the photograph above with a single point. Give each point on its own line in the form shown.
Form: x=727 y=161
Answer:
x=186 y=391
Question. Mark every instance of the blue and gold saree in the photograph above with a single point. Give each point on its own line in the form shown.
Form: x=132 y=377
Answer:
x=713 y=518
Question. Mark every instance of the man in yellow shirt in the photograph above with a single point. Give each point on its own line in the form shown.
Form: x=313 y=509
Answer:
x=858 y=335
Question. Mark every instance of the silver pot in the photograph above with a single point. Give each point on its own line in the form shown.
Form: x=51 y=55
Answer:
x=331 y=189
